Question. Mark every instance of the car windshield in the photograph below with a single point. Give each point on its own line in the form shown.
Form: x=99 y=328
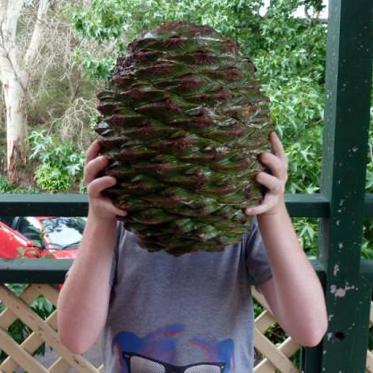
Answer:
x=64 y=232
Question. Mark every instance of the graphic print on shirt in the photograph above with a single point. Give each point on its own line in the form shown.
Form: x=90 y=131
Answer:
x=155 y=352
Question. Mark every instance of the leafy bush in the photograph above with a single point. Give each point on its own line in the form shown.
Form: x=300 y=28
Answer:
x=61 y=164
x=52 y=179
x=6 y=187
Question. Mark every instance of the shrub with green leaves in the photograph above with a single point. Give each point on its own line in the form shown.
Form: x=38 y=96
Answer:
x=6 y=187
x=61 y=165
x=52 y=178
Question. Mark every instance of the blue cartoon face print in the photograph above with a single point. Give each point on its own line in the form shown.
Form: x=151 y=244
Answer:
x=156 y=351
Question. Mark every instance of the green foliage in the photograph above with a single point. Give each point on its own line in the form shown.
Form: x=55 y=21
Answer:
x=307 y=231
x=6 y=187
x=304 y=161
x=367 y=244
x=22 y=251
x=96 y=68
x=103 y=20
x=122 y=21
x=52 y=179
x=60 y=164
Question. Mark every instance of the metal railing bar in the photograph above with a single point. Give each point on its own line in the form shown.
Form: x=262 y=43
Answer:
x=311 y=205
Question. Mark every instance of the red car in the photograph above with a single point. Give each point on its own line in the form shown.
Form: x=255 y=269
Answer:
x=41 y=236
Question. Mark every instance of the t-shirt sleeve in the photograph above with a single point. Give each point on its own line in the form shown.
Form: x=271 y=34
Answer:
x=257 y=263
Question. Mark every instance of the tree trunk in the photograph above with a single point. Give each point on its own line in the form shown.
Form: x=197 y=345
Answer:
x=16 y=121
x=15 y=69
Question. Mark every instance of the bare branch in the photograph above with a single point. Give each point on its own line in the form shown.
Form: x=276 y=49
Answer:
x=37 y=33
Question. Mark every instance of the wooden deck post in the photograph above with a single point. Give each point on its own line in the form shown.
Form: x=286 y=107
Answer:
x=345 y=145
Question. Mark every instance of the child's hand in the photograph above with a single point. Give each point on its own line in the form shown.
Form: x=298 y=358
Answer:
x=275 y=182
x=99 y=206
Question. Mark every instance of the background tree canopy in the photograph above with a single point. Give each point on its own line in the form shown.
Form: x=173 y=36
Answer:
x=289 y=54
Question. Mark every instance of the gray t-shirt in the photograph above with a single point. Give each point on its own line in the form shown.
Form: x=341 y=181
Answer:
x=190 y=314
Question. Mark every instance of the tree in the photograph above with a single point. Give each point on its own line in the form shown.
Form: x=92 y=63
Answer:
x=16 y=63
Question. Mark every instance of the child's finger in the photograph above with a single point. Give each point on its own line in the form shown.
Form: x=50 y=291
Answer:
x=92 y=151
x=268 y=202
x=272 y=183
x=95 y=187
x=275 y=165
x=93 y=167
x=118 y=211
x=107 y=205
x=277 y=147
x=256 y=210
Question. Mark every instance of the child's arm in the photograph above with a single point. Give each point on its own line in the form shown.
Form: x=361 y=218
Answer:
x=84 y=298
x=294 y=293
